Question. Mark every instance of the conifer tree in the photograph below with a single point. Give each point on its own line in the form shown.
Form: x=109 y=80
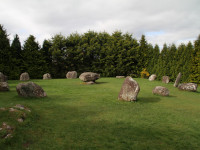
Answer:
x=162 y=62
x=195 y=67
x=16 y=55
x=46 y=54
x=143 y=54
x=150 y=58
x=33 y=62
x=58 y=52
x=156 y=53
x=171 y=63
x=5 y=58
x=187 y=57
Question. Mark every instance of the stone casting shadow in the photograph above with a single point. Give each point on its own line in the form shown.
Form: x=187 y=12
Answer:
x=148 y=99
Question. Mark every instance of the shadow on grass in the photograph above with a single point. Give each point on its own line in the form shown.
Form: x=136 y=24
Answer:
x=148 y=99
x=101 y=82
x=171 y=96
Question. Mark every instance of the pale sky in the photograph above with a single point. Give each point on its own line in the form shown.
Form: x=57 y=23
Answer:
x=162 y=21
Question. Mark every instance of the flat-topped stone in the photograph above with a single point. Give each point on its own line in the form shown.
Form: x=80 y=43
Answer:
x=89 y=76
x=188 y=87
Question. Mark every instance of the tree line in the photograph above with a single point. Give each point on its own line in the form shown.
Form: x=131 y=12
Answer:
x=108 y=54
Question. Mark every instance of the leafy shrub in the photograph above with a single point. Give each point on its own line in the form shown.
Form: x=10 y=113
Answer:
x=144 y=73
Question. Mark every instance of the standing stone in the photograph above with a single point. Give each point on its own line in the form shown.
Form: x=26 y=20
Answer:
x=3 y=78
x=160 y=90
x=152 y=77
x=4 y=86
x=30 y=89
x=165 y=79
x=119 y=77
x=89 y=76
x=46 y=76
x=71 y=75
x=188 y=87
x=178 y=79
x=24 y=76
x=129 y=90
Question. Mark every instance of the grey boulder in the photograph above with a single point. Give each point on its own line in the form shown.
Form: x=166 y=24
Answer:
x=30 y=89
x=160 y=90
x=71 y=75
x=3 y=78
x=152 y=77
x=46 y=76
x=24 y=76
x=129 y=90
x=165 y=79
x=188 y=87
x=4 y=86
x=89 y=76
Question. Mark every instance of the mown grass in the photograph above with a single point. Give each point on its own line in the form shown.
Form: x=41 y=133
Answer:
x=77 y=116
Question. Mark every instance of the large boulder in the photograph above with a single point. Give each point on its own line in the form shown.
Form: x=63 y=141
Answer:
x=46 y=76
x=71 y=75
x=30 y=89
x=24 y=76
x=152 y=77
x=160 y=90
x=4 y=86
x=89 y=76
x=165 y=79
x=188 y=87
x=3 y=78
x=129 y=90
x=178 y=79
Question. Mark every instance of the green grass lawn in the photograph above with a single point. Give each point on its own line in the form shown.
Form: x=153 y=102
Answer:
x=77 y=116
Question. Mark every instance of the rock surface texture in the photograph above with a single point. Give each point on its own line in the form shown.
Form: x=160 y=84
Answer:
x=165 y=79
x=160 y=90
x=24 y=76
x=4 y=86
x=129 y=90
x=46 y=76
x=178 y=79
x=30 y=89
x=3 y=78
x=89 y=76
x=152 y=77
x=71 y=75
x=188 y=87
